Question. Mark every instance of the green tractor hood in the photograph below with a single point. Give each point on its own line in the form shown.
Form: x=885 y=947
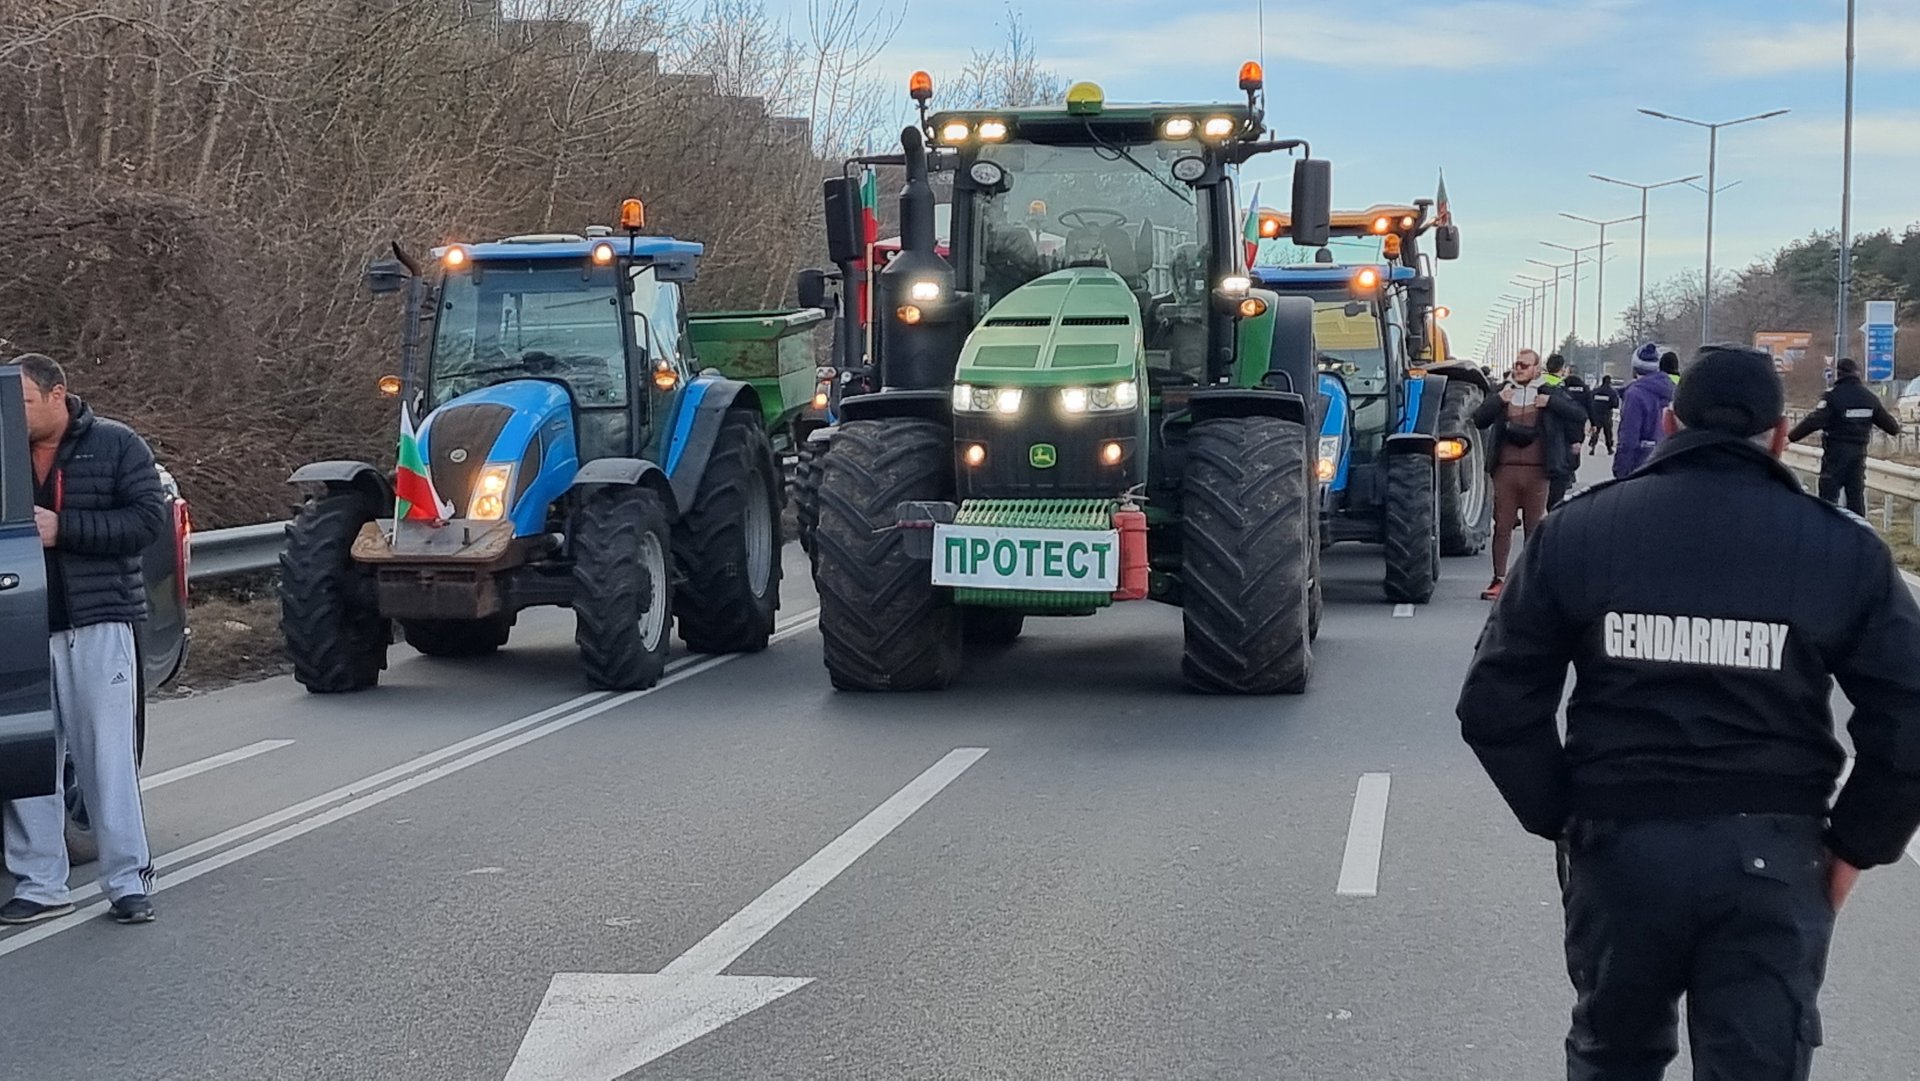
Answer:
x=1075 y=326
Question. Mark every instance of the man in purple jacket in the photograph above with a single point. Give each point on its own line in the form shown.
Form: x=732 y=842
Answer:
x=1641 y=406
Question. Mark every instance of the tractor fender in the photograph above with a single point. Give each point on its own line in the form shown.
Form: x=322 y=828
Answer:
x=623 y=473
x=1212 y=404
x=318 y=478
x=1410 y=443
x=1292 y=357
x=696 y=427
x=1424 y=398
x=934 y=405
x=1466 y=373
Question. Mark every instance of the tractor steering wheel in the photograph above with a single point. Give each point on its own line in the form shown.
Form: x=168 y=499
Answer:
x=1077 y=218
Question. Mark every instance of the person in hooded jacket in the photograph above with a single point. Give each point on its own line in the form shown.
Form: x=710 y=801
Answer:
x=1847 y=414
x=1641 y=406
x=1527 y=422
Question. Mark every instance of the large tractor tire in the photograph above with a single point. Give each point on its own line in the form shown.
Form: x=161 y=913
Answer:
x=884 y=625
x=728 y=545
x=806 y=492
x=1466 y=489
x=991 y=626
x=1247 y=538
x=458 y=637
x=1412 y=543
x=623 y=588
x=329 y=613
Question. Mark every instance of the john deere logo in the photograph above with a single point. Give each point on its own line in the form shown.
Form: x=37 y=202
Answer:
x=1042 y=455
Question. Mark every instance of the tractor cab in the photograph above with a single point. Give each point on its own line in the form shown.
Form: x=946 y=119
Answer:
x=599 y=319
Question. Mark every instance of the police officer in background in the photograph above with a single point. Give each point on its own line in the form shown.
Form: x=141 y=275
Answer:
x=1699 y=855
x=1848 y=414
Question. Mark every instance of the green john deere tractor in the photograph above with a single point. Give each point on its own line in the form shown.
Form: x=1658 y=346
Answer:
x=1085 y=401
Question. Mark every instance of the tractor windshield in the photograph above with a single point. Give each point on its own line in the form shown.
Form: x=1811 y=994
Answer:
x=1342 y=250
x=534 y=318
x=1110 y=205
x=1351 y=344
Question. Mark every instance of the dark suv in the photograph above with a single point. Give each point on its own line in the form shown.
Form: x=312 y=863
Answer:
x=26 y=717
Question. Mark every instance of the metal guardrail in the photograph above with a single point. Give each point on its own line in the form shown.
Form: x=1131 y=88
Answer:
x=247 y=549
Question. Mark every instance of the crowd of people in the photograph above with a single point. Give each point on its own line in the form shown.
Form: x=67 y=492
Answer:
x=1542 y=417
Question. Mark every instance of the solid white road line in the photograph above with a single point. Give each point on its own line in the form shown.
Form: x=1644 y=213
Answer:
x=724 y=945
x=463 y=754
x=1360 y=870
x=1403 y=611
x=194 y=769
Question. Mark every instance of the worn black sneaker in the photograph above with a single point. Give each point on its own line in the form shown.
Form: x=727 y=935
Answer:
x=133 y=908
x=20 y=911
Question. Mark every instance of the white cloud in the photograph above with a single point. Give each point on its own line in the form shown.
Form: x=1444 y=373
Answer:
x=1476 y=34
x=1881 y=41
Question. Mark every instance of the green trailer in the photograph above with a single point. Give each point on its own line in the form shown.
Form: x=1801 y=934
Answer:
x=773 y=351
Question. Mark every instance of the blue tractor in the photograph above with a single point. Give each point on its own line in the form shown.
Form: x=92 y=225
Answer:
x=571 y=452
x=1398 y=460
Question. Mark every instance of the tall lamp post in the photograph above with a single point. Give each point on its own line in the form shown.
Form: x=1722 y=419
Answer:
x=1713 y=154
x=1519 y=320
x=1573 y=304
x=1840 y=316
x=1556 y=268
x=1539 y=287
x=1600 y=286
x=1640 y=306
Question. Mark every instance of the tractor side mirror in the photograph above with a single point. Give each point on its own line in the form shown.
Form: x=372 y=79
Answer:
x=1354 y=308
x=674 y=270
x=1446 y=242
x=810 y=287
x=1312 y=202
x=846 y=242
x=386 y=276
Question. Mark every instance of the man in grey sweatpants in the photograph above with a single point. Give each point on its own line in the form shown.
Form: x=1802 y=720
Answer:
x=99 y=504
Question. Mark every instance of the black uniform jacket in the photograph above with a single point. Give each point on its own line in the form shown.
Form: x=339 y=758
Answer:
x=1848 y=414
x=1706 y=603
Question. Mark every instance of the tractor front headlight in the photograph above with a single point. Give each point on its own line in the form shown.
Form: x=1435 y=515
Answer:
x=1329 y=458
x=489 y=501
x=1106 y=398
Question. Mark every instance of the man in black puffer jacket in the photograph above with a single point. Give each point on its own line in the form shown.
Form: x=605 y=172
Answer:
x=99 y=504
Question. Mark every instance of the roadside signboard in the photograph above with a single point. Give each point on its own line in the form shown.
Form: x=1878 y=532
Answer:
x=1879 y=335
x=1788 y=347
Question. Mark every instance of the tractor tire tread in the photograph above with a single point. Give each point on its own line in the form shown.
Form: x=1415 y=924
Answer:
x=610 y=586
x=1411 y=555
x=335 y=636
x=1247 y=538
x=717 y=609
x=884 y=625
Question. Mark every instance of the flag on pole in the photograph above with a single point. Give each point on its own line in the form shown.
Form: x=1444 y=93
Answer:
x=869 y=235
x=1442 y=212
x=414 y=497
x=1253 y=227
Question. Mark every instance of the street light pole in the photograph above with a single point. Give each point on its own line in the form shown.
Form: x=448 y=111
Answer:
x=1573 y=302
x=1841 y=332
x=1713 y=155
x=1556 y=268
x=1537 y=290
x=1600 y=287
x=1516 y=320
x=1640 y=306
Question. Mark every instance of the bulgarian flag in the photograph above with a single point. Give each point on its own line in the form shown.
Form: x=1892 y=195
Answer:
x=1253 y=228
x=414 y=497
x=869 y=233
x=1442 y=210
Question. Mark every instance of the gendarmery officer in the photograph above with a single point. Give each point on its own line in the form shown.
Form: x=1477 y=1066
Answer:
x=1698 y=852
x=1848 y=414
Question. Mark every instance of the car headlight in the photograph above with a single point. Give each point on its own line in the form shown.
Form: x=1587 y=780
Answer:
x=1107 y=398
x=489 y=502
x=1329 y=458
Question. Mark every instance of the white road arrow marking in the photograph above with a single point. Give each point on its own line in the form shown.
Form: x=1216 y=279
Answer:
x=602 y=1026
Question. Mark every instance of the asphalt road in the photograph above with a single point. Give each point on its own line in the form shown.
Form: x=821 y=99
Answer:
x=1130 y=882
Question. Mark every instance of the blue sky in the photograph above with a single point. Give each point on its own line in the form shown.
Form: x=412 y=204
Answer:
x=1518 y=100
